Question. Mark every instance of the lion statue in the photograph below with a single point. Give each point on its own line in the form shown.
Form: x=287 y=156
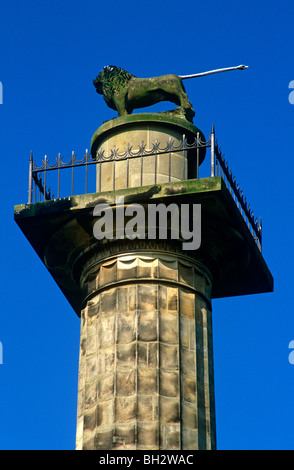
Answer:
x=124 y=92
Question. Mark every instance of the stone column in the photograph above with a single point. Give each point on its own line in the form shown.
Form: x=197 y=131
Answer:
x=146 y=363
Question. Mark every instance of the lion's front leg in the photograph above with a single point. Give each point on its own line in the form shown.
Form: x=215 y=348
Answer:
x=120 y=103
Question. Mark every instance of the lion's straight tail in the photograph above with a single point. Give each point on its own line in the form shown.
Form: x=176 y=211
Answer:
x=210 y=72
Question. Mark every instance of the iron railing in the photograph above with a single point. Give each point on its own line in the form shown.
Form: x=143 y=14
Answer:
x=220 y=167
x=39 y=190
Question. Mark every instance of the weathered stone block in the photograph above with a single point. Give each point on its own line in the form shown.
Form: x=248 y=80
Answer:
x=122 y=300
x=89 y=444
x=171 y=437
x=148 y=326
x=190 y=439
x=147 y=297
x=124 y=435
x=145 y=408
x=188 y=362
x=132 y=297
x=172 y=299
x=189 y=415
x=187 y=304
x=126 y=356
x=90 y=419
x=106 y=331
x=168 y=356
x=148 y=434
x=90 y=394
x=189 y=388
x=185 y=332
x=105 y=413
x=126 y=327
x=169 y=384
x=125 y=383
x=108 y=302
x=91 y=368
x=125 y=409
x=92 y=310
x=105 y=386
x=162 y=296
x=168 y=327
x=92 y=344
x=147 y=381
x=106 y=361
x=103 y=439
x=153 y=353
x=169 y=410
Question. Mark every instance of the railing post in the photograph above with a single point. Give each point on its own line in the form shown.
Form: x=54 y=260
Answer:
x=86 y=176
x=58 y=175
x=197 y=155
x=72 y=171
x=30 y=179
x=45 y=176
x=212 y=172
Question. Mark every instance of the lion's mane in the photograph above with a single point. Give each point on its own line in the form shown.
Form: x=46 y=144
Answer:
x=110 y=80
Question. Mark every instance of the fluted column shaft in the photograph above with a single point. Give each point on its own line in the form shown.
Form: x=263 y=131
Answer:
x=146 y=367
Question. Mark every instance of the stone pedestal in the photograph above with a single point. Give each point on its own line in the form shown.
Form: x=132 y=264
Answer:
x=137 y=131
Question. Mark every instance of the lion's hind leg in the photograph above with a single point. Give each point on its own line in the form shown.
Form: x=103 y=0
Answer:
x=185 y=103
x=174 y=86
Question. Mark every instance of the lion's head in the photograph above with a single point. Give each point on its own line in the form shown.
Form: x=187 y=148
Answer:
x=110 y=80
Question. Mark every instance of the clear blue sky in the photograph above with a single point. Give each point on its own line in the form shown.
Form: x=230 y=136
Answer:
x=50 y=53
